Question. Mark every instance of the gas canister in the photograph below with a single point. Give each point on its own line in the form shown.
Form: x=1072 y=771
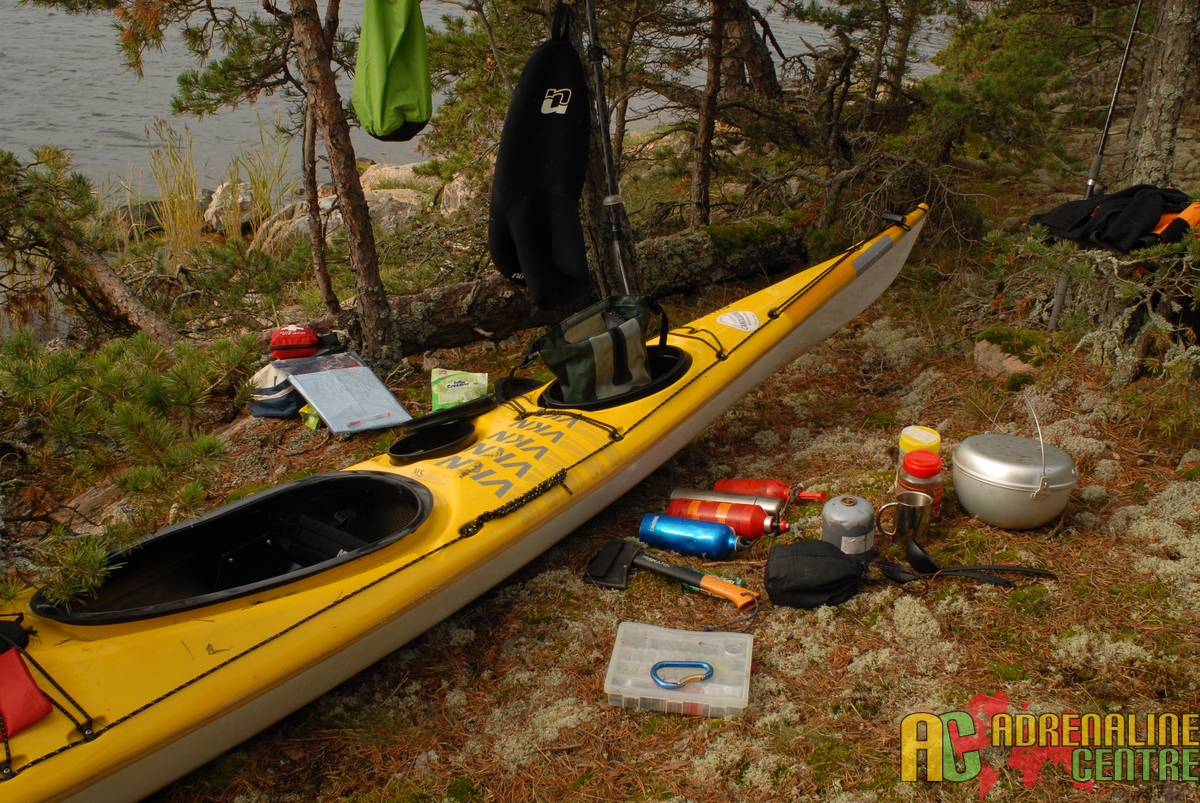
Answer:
x=848 y=522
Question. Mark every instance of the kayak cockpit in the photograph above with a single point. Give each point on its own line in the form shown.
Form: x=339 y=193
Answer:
x=267 y=539
x=667 y=365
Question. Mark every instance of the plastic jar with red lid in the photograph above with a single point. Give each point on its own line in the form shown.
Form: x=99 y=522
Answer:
x=922 y=471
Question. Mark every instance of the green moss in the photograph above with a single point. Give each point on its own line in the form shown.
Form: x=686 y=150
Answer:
x=463 y=790
x=825 y=242
x=727 y=238
x=1154 y=591
x=964 y=546
x=410 y=794
x=829 y=759
x=540 y=614
x=882 y=421
x=1030 y=601
x=650 y=726
x=1009 y=673
x=582 y=780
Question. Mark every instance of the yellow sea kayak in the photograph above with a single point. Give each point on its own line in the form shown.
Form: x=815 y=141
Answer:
x=215 y=628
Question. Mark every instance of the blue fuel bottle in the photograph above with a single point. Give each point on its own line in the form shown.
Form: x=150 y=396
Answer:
x=704 y=539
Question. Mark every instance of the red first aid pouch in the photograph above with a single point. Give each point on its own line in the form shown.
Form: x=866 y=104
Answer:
x=293 y=341
x=21 y=701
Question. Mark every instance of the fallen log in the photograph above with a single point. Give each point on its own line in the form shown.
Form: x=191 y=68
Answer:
x=493 y=308
x=100 y=288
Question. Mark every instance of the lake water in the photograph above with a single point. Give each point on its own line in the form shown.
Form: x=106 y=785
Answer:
x=65 y=84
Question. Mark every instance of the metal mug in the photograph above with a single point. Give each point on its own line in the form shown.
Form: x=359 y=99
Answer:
x=914 y=510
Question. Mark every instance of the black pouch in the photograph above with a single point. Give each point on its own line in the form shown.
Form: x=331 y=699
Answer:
x=812 y=573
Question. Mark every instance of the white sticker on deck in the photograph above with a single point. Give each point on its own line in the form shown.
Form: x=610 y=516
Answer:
x=746 y=321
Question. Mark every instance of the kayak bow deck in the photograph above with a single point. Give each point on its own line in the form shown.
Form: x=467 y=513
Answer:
x=216 y=628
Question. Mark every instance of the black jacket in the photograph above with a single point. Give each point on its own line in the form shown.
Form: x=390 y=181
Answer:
x=1121 y=221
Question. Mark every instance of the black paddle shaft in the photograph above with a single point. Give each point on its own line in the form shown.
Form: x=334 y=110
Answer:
x=613 y=201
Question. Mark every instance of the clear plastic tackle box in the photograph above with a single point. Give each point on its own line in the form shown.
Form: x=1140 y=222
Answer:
x=639 y=647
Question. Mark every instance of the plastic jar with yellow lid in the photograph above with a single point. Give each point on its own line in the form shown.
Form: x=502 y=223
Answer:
x=913 y=439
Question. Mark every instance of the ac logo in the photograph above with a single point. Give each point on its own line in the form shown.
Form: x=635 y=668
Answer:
x=938 y=747
x=556 y=101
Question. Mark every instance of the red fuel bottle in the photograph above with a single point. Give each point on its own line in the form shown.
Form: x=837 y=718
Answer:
x=748 y=521
x=776 y=489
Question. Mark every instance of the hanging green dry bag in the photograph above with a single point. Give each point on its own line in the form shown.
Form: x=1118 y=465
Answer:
x=392 y=95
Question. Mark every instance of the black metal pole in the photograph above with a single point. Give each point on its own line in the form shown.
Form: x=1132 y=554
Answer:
x=612 y=201
x=1060 y=292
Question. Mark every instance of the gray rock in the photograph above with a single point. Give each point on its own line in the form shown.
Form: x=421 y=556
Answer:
x=220 y=208
x=396 y=176
x=455 y=195
x=390 y=209
x=1189 y=460
x=970 y=163
x=1044 y=176
x=277 y=234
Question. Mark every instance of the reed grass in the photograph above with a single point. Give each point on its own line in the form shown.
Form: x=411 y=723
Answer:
x=174 y=171
x=267 y=170
x=230 y=210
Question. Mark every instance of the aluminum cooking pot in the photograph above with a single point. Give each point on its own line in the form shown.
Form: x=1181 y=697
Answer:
x=1011 y=482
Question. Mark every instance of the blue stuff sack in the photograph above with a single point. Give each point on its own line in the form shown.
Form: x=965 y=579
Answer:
x=274 y=396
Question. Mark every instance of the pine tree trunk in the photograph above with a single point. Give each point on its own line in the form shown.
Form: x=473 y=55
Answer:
x=753 y=52
x=910 y=15
x=1165 y=87
x=316 y=229
x=621 y=79
x=705 y=120
x=314 y=55
x=884 y=33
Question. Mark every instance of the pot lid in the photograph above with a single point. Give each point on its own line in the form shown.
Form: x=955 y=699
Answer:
x=1009 y=461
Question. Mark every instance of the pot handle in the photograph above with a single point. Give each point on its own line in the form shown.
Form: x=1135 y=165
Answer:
x=1044 y=486
x=879 y=518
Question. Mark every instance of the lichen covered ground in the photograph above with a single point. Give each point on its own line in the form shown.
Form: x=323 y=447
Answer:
x=504 y=701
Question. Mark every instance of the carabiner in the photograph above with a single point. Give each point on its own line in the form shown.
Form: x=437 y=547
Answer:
x=678 y=684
